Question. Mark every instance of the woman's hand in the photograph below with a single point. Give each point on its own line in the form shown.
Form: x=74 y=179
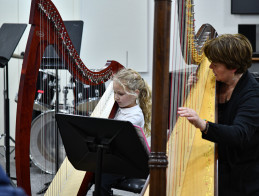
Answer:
x=192 y=117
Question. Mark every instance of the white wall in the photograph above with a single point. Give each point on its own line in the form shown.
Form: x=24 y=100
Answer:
x=218 y=14
x=115 y=30
x=12 y=12
x=94 y=13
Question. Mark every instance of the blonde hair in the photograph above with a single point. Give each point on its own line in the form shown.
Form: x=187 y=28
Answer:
x=131 y=80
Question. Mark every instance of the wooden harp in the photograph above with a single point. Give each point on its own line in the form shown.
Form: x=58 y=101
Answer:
x=47 y=28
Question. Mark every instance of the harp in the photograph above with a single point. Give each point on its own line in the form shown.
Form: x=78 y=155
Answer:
x=181 y=163
x=47 y=28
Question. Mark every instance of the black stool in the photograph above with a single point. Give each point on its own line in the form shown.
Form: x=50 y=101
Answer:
x=134 y=185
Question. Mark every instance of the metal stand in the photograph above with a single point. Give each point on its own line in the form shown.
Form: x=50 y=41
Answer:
x=7 y=125
x=10 y=35
x=2 y=136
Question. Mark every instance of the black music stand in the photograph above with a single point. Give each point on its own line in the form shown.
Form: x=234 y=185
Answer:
x=10 y=35
x=103 y=145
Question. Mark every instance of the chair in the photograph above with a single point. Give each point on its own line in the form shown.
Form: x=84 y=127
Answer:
x=134 y=185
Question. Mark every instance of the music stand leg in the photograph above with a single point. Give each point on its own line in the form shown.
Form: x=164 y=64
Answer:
x=6 y=135
x=98 y=172
x=7 y=120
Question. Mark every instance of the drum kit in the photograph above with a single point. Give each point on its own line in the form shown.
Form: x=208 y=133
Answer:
x=45 y=142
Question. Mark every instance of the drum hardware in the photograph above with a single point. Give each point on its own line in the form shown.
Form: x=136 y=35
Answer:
x=65 y=108
x=16 y=98
x=97 y=94
x=70 y=86
x=45 y=91
x=18 y=56
x=71 y=83
x=65 y=92
x=87 y=97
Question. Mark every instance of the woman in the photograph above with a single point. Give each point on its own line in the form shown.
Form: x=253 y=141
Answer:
x=237 y=131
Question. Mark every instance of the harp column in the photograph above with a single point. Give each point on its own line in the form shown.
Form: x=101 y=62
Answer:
x=160 y=97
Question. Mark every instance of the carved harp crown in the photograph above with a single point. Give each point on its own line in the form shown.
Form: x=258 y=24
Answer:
x=47 y=28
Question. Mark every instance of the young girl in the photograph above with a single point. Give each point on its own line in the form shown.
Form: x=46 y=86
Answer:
x=133 y=96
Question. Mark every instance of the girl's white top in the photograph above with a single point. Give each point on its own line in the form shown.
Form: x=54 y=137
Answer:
x=133 y=114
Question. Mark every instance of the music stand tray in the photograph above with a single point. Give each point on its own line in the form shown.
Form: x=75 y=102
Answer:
x=86 y=138
x=10 y=35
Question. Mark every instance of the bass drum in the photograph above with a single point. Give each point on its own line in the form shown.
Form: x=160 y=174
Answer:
x=43 y=143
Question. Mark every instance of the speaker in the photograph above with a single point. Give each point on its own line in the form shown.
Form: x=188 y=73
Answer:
x=249 y=30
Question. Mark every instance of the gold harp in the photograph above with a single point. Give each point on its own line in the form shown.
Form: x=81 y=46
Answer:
x=181 y=163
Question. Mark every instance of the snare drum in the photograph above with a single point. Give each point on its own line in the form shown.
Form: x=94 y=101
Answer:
x=46 y=83
x=87 y=96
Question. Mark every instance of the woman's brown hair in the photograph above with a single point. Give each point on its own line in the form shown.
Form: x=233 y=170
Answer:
x=232 y=50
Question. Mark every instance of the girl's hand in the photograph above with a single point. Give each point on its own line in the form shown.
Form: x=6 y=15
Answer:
x=192 y=117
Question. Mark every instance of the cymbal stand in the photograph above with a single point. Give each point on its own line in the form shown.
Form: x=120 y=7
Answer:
x=65 y=92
